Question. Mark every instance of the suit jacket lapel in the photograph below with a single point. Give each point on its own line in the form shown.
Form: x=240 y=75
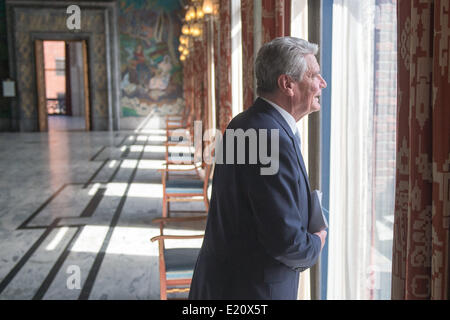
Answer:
x=274 y=113
x=300 y=160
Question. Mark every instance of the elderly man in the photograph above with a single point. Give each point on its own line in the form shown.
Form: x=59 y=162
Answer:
x=256 y=240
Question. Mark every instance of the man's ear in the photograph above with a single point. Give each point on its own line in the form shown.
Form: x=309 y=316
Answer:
x=285 y=84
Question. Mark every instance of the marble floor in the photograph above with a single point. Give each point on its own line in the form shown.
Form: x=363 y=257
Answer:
x=76 y=212
x=66 y=123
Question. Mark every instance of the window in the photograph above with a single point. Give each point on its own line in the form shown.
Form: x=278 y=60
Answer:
x=236 y=58
x=362 y=151
x=60 y=66
x=299 y=28
x=55 y=76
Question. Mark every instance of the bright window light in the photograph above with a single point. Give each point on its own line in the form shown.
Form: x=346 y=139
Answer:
x=136 y=148
x=57 y=239
x=142 y=138
x=155 y=138
x=145 y=190
x=151 y=164
x=133 y=241
x=236 y=57
x=91 y=239
x=158 y=149
x=94 y=189
x=129 y=164
x=185 y=149
x=115 y=189
x=154 y=131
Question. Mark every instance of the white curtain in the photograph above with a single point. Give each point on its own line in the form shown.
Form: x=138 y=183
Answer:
x=362 y=160
x=351 y=143
x=299 y=29
x=236 y=58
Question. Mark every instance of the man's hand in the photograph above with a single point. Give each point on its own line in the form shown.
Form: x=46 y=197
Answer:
x=322 y=235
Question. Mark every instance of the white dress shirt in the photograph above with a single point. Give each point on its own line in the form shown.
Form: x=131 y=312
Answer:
x=287 y=116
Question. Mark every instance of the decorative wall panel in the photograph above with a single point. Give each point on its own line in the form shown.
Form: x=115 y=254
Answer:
x=29 y=21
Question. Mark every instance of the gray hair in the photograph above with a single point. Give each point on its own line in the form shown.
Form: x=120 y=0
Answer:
x=284 y=55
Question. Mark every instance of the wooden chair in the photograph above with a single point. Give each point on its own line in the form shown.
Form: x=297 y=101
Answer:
x=180 y=134
x=186 y=156
x=185 y=123
x=186 y=189
x=178 y=118
x=176 y=265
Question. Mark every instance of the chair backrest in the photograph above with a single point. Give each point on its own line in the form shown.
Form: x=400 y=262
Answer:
x=179 y=257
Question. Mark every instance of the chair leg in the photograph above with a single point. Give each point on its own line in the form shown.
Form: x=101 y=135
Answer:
x=163 y=292
x=168 y=209
x=164 y=206
x=205 y=199
x=162 y=288
x=162 y=269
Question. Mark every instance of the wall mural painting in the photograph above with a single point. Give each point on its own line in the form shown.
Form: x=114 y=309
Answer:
x=151 y=74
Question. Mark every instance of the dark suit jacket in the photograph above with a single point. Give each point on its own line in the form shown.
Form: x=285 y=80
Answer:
x=256 y=242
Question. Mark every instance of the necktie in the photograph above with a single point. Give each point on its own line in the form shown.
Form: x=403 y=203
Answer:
x=302 y=164
x=297 y=136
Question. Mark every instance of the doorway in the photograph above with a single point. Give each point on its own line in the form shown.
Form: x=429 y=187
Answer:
x=62 y=85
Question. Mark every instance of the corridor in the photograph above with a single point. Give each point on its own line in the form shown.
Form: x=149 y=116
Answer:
x=81 y=203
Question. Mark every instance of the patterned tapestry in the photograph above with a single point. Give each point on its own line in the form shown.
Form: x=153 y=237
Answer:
x=420 y=266
x=247 y=52
x=275 y=19
x=151 y=74
x=225 y=109
x=195 y=75
x=216 y=41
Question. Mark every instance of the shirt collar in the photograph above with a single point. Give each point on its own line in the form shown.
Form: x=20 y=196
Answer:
x=286 y=115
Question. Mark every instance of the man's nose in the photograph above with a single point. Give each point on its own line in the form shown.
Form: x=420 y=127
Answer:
x=323 y=83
